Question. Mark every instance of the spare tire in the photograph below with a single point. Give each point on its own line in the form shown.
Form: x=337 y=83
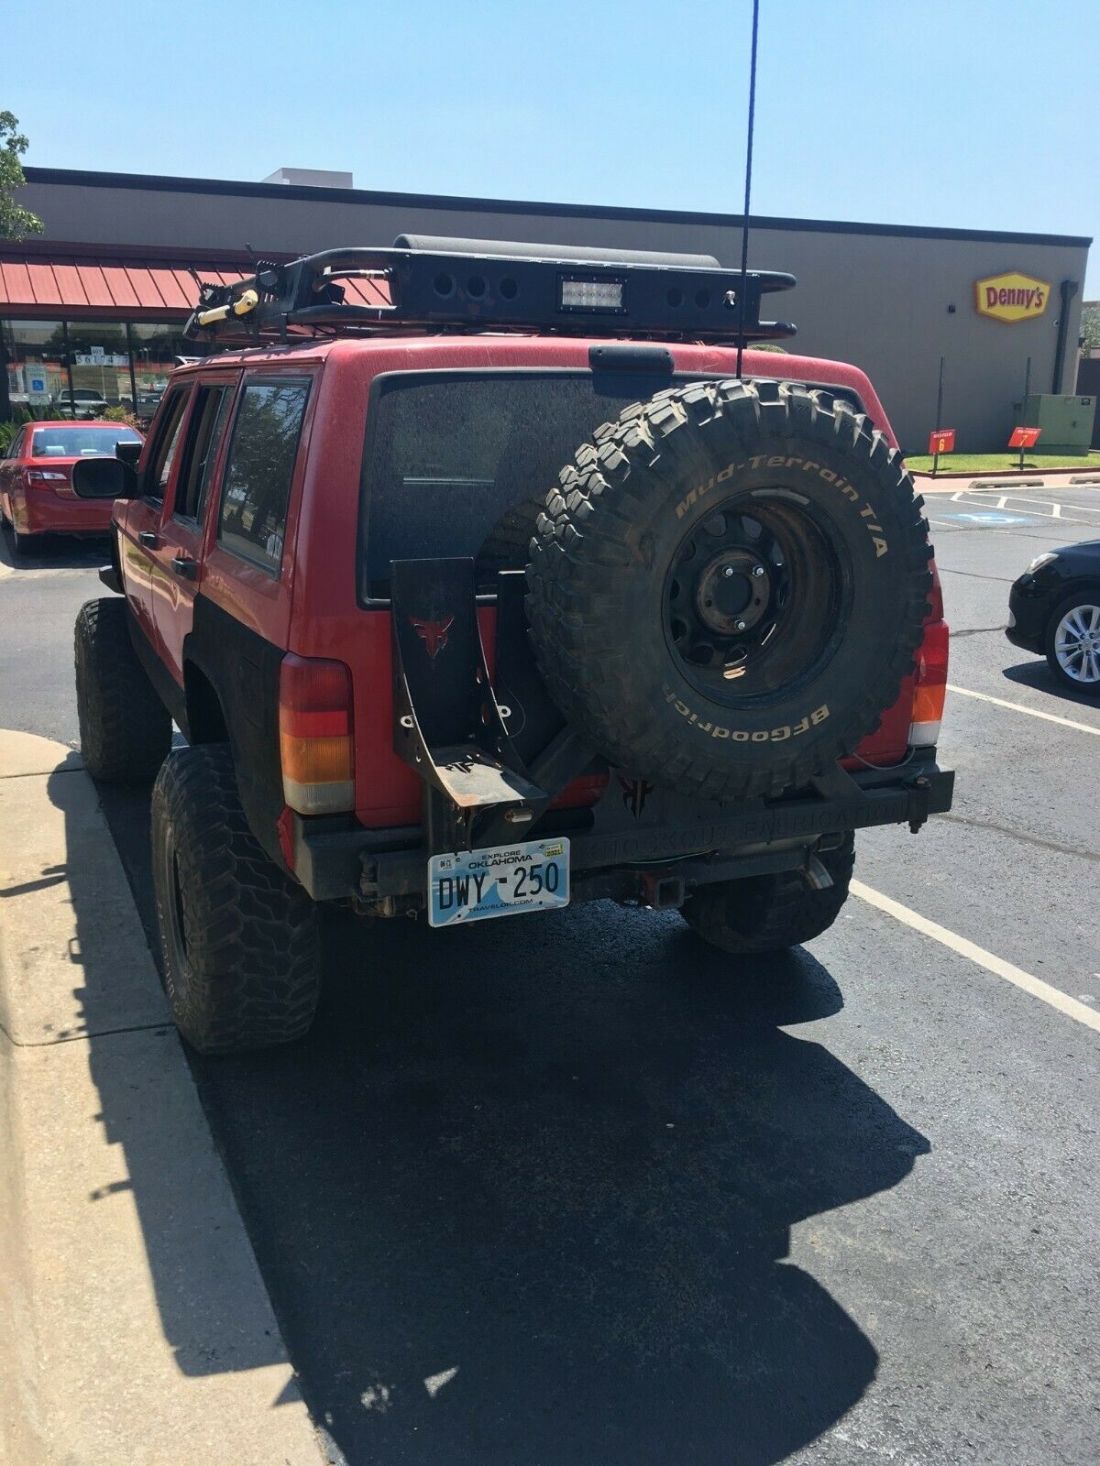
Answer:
x=728 y=586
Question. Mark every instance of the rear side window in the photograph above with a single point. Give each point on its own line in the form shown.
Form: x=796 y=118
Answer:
x=201 y=450
x=256 y=490
x=159 y=472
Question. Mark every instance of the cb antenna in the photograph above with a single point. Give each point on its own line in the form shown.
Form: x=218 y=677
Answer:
x=748 y=190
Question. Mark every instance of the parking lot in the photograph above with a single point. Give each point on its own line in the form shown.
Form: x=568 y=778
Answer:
x=576 y=1191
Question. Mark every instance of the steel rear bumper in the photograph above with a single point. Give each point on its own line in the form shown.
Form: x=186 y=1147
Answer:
x=341 y=863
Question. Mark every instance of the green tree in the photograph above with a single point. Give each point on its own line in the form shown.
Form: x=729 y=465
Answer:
x=15 y=222
x=1090 y=325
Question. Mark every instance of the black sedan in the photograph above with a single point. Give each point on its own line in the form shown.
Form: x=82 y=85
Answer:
x=1054 y=610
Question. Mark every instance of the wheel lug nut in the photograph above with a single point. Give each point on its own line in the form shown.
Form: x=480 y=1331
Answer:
x=728 y=571
x=758 y=571
x=740 y=625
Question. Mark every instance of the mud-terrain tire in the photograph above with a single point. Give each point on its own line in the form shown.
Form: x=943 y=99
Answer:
x=771 y=912
x=643 y=642
x=125 y=729
x=239 y=939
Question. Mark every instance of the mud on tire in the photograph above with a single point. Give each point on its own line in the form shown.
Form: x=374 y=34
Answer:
x=728 y=586
x=125 y=729
x=239 y=939
x=771 y=912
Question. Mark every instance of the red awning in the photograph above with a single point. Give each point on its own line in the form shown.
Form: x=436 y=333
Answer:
x=87 y=287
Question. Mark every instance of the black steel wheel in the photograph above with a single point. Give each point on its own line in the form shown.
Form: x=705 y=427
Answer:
x=756 y=596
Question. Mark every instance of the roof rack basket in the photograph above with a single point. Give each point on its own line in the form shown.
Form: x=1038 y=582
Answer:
x=479 y=285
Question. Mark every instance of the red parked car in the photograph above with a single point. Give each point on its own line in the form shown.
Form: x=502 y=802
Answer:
x=36 y=492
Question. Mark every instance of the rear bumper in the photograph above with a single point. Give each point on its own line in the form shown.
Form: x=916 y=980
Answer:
x=371 y=865
x=47 y=513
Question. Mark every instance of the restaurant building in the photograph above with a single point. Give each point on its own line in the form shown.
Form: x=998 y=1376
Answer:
x=91 y=310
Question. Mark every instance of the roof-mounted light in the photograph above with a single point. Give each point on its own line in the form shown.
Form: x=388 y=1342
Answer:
x=589 y=293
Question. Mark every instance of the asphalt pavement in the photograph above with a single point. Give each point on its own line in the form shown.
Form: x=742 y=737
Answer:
x=576 y=1191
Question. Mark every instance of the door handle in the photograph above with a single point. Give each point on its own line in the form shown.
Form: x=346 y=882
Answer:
x=149 y=539
x=185 y=566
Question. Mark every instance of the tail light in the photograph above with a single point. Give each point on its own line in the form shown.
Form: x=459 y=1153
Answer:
x=44 y=478
x=930 y=684
x=316 y=747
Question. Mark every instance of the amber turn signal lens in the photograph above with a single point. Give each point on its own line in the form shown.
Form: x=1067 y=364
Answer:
x=316 y=744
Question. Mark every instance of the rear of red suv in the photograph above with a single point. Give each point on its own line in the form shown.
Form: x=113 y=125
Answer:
x=472 y=625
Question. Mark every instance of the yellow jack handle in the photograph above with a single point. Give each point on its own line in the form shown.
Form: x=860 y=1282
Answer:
x=247 y=301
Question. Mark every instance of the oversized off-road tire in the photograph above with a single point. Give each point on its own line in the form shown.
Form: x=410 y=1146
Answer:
x=239 y=939
x=728 y=586
x=771 y=912
x=125 y=729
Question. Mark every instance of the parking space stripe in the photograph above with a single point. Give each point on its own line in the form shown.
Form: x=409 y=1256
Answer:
x=1035 y=986
x=1018 y=707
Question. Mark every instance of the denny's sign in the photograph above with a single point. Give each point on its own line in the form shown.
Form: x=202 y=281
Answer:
x=1011 y=297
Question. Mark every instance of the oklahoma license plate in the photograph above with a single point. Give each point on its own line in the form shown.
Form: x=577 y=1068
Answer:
x=509 y=880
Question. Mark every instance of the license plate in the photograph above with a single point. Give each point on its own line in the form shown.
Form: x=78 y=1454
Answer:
x=509 y=880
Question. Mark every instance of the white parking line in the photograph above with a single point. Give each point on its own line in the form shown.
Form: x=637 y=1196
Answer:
x=1053 y=996
x=1018 y=707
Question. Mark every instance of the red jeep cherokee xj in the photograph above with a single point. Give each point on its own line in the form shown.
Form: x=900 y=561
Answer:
x=414 y=681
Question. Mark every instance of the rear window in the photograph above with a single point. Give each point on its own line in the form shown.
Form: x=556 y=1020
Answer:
x=80 y=442
x=448 y=455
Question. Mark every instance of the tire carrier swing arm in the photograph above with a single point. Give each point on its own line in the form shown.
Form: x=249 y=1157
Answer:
x=450 y=724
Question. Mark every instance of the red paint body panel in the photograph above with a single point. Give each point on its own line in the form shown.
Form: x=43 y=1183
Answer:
x=313 y=610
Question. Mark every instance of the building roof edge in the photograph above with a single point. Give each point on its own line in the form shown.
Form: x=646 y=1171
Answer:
x=169 y=184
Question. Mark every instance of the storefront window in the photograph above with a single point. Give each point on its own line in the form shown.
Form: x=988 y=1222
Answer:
x=37 y=374
x=100 y=362
x=155 y=348
x=81 y=369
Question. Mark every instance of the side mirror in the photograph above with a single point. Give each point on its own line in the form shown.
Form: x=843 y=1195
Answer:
x=104 y=478
x=128 y=451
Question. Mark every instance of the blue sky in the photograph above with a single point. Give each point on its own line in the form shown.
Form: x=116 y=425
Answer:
x=964 y=113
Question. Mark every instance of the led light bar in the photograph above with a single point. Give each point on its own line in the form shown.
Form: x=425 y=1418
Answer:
x=585 y=293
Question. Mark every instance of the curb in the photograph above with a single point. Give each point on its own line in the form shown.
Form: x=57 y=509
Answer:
x=134 y=1325
x=1017 y=474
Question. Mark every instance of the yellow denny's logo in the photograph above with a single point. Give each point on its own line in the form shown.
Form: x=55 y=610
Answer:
x=1011 y=297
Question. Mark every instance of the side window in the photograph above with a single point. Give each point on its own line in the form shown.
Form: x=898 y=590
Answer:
x=17 y=447
x=159 y=470
x=200 y=451
x=256 y=491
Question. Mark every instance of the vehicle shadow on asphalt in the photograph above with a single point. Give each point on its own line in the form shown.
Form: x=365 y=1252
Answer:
x=525 y=1195
x=55 y=552
x=1039 y=676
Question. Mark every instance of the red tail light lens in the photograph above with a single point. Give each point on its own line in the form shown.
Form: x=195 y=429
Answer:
x=316 y=745
x=44 y=478
x=930 y=684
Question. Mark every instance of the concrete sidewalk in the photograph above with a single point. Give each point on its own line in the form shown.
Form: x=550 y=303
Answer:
x=926 y=484
x=134 y=1325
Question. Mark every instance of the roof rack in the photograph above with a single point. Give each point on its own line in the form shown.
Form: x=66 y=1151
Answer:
x=480 y=285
